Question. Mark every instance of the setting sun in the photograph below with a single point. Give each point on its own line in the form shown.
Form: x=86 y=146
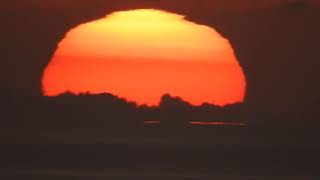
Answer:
x=143 y=54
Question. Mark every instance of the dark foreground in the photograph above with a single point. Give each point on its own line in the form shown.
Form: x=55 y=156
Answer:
x=158 y=159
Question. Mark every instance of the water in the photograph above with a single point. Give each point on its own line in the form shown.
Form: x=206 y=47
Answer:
x=147 y=160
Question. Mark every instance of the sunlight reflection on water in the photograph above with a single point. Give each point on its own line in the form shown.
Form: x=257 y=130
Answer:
x=201 y=123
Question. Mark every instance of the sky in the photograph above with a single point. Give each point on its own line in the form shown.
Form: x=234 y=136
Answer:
x=273 y=41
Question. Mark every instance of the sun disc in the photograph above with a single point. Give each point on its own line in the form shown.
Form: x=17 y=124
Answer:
x=141 y=55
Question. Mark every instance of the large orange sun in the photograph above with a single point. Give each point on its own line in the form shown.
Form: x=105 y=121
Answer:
x=143 y=54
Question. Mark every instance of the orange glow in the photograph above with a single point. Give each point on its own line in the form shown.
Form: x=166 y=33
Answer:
x=217 y=124
x=152 y=122
x=200 y=123
x=141 y=55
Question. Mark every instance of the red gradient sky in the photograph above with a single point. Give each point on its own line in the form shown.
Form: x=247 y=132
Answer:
x=141 y=55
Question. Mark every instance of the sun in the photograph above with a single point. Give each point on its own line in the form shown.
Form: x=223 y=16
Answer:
x=143 y=54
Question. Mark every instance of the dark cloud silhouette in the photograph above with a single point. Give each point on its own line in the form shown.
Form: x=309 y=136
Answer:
x=102 y=113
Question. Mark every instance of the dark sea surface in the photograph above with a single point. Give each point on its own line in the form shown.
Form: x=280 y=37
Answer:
x=157 y=159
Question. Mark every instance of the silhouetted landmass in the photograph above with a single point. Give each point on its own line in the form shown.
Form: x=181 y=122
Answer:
x=103 y=113
x=106 y=115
